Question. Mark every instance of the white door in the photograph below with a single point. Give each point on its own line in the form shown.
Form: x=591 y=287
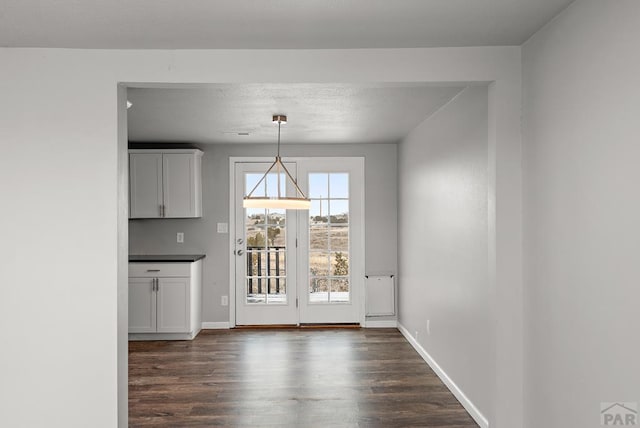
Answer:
x=264 y=252
x=145 y=175
x=331 y=246
x=179 y=185
x=142 y=305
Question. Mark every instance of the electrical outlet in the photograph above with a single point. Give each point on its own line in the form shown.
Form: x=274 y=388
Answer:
x=180 y=237
x=428 y=327
x=224 y=300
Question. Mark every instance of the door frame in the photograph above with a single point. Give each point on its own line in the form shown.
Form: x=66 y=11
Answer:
x=358 y=270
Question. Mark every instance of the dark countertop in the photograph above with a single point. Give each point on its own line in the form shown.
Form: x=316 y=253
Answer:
x=165 y=258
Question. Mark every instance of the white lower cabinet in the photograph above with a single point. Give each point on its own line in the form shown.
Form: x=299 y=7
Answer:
x=164 y=300
x=172 y=305
x=142 y=305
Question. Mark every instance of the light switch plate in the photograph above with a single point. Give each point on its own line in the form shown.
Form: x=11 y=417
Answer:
x=223 y=227
x=180 y=237
x=224 y=300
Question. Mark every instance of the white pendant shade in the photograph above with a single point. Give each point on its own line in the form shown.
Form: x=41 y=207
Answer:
x=282 y=203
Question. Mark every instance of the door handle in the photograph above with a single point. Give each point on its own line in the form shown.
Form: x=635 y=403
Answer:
x=240 y=241
x=240 y=252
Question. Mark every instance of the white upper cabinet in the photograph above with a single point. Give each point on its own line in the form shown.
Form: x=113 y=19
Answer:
x=145 y=185
x=165 y=183
x=181 y=185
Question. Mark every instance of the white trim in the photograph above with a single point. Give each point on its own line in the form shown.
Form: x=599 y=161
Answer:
x=455 y=390
x=381 y=324
x=134 y=337
x=232 y=237
x=362 y=243
x=207 y=325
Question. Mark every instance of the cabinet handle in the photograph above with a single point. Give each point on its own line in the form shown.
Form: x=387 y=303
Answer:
x=153 y=270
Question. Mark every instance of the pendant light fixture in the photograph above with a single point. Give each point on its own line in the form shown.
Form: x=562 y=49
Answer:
x=299 y=202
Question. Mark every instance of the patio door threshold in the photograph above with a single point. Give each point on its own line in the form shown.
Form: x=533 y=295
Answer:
x=300 y=326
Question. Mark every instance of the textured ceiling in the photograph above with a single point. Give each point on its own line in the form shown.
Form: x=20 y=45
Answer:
x=317 y=113
x=308 y=24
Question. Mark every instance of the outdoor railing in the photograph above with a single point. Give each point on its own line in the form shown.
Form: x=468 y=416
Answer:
x=260 y=276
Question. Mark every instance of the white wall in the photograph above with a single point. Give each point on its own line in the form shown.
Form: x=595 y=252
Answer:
x=582 y=239
x=159 y=236
x=59 y=176
x=59 y=247
x=443 y=243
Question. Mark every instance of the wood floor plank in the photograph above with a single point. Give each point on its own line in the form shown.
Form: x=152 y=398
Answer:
x=288 y=378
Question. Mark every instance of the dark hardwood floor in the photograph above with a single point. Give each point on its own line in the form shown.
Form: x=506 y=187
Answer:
x=288 y=378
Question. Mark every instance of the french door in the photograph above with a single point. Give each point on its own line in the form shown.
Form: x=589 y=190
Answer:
x=264 y=249
x=331 y=263
x=294 y=267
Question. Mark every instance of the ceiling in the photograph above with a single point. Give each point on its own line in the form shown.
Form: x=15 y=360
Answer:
x=325 y=113
x=240 y=24
x=317 y=113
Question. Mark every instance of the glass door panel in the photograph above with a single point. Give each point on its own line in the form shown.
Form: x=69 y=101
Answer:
x=329 y=238
x=266 y=248
x=331 y=241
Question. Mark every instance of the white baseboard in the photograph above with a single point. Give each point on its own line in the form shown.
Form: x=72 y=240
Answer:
x=455 y=390
x=215 y=325
x=381 y=324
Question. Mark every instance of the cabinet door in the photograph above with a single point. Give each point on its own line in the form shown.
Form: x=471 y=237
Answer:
x=173 y=305
x=142 y=305
x=145 y=185
x=179 y=173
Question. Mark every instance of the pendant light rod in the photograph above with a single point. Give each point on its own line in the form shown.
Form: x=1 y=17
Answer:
x=279 y=124
x=278 y=157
